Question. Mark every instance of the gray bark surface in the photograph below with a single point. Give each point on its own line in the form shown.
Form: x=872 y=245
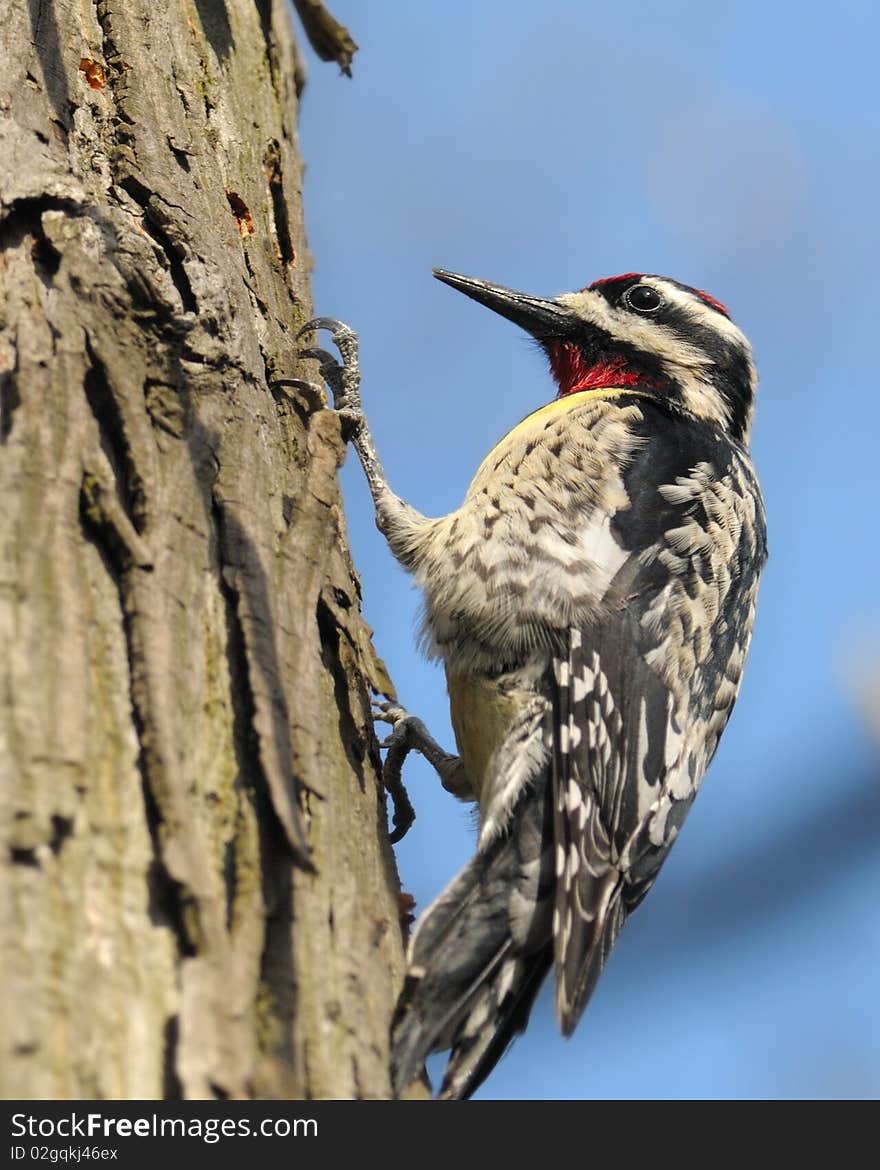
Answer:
x=185 y=711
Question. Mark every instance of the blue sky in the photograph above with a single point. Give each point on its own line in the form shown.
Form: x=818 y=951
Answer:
x=734 y=148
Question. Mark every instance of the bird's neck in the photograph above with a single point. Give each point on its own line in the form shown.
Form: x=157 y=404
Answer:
x=574 y=371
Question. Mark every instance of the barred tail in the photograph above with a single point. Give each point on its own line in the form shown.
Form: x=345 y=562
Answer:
x=479 y=956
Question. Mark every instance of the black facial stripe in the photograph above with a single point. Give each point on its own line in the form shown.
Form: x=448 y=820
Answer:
x=716 y=346
x=727 y=358
x=613 y=290
x=728 y=369
x=720 y=349
x=701 y=297
x=727 y=364
x=602 y=348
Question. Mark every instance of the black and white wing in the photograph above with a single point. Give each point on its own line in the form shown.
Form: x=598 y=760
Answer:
x=641 y=695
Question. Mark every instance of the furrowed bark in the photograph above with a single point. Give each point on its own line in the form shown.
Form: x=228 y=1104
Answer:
x=198 y=896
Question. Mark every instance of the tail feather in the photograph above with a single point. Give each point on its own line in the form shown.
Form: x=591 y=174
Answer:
x=479 y=955
x=585 y=954
x=477 y=1052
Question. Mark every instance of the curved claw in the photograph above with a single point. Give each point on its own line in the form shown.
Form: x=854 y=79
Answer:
x=386 y=711
x=319 y=355
x=312 y=390
x=329 y=323
x=403 y=814
x=398 y=748
x=342 y=376
x=297 y=384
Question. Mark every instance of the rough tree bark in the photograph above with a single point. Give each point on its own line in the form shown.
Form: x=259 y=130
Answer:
x=184 y=714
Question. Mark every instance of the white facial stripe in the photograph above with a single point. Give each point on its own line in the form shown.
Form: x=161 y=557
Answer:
x=625 y=326
x=687 y=364
x=699 y=311
x=702 y=399
x=703 y=314
x=696 y=308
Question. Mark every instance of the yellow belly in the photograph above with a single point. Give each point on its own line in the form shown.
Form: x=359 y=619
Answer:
x=481 y=714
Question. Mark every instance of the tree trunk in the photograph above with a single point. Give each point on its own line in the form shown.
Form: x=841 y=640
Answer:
x=198 y=895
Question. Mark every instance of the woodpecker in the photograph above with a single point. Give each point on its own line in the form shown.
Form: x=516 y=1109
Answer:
x=592 y=602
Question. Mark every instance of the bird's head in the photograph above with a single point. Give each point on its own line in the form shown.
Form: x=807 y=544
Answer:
x=640 y=332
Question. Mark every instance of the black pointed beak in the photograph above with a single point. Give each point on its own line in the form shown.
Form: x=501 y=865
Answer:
x=542 y=318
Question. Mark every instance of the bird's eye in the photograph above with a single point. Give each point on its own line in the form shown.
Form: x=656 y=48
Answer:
x=642 y=298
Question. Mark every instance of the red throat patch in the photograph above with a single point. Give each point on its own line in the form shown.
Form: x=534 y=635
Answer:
x=573 y=372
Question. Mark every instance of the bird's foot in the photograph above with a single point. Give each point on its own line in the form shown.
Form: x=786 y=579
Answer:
x=409 y=734
x=398 y=748
x=343 y=377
